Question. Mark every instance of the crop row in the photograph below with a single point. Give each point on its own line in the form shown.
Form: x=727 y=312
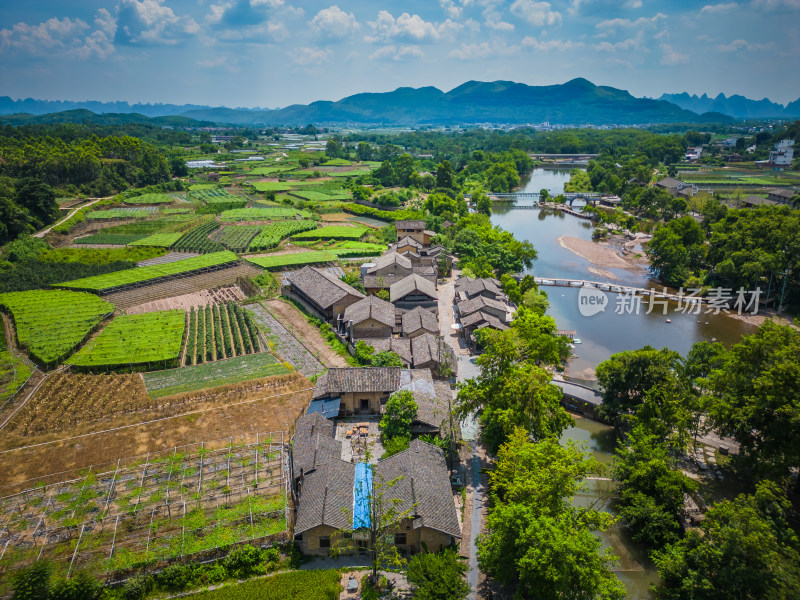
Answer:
x=271 y=235
x=332 y=232
x=159 y=240
x=290 y=260
x=153 y=339
x=238 y=237
x=141 y=274
x=120 y=239
x=197 y=240
x=220 y=331
x=263 y=214
x=50 y=323
x=152 y=198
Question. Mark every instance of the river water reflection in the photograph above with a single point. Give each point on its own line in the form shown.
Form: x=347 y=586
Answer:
x=603 y=335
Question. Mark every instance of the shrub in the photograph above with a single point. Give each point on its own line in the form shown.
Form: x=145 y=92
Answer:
x=244 y=561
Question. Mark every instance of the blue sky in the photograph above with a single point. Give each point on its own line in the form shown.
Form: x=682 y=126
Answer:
x=274 y=53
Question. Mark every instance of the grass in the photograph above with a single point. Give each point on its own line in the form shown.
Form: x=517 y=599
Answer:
x=159 y=240
x=295 y=585
x=134 y=340
x=213 y=374
x=149 y=199
x=332 y=232
x=141 y=274
x=291 y=260
x=50 y=323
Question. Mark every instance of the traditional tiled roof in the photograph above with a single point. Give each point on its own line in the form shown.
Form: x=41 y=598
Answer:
x=321 y=287
x=409 y=224
x=786 y=193
x=429 y=232
x=425 y=348
x=419 y=318
x=408 y=241
x=474 y=287
x=410 y=284
x=669 y=182
x=400 y=346
x=380 y=281
x=423 y=486
x=326 y=497
x=389 y=259
x=467 y=307
x=313 y=442
x=758 y=201
x=370 y=307
x=357 y=379
x=474 y=318
x=493 y=322
x=431 y=402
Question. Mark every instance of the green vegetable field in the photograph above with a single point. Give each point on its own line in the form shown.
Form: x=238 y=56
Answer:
x=213 y=374
x=262 y=214
x=50 y=323
x=297 y=585
x=118 y=213
x=149 y=199
x=100 y=283
x=271 y=235
x=332 y=232
x=238 y=237
x=135 y=340
x=159 y=240
x=291 y=260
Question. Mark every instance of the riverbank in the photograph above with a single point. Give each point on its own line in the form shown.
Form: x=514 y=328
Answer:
x=604 y=255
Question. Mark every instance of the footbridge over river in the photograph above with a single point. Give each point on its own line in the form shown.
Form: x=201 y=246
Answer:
x=569 y=197
x=620 y=289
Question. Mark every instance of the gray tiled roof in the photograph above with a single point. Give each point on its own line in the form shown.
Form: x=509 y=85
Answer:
x=400 y=346
x=782 y=192
x=432 y=406
x=391 y=258
x=425 y=348
x=467 y=307
x=493 y=322
x=370 y=307
x=409 y=224
x=380 y=281
x=419 y=318
x=423 y=487
x=407 y=240
x=321 y=287
x=758 y=201
x=326 y=497
x=357 y=379
x=312 y=443
x=410 y=284
x=476 y=286
x=474 y=318
x=669 y=182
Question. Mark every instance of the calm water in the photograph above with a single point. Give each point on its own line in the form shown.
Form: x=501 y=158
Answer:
x=603 y=335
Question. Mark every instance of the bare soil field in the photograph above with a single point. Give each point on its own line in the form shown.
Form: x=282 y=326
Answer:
x=271 y=404
x=219 y=295
x=336 y=217
x=177 y=287
x=295 y=323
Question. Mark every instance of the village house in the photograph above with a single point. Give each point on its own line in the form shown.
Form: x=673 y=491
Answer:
x=400 y=346
x=415 y=230
x=323 y=293
x=498 y=309
x=430 y=351
x=418 y=321
x=412 y=291
x=391 y=264
x=781 y=195
x=368 y=318
x=488 y=287
x=755 y=201
x=407 y=246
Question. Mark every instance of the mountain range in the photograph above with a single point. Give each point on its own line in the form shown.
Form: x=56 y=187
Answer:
x=735 y=106
x=576 y=102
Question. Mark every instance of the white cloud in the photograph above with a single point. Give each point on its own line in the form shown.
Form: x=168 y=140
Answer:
x=634 y=43
x=334 y=22
x=575 y=6
x=483 y=50
x=73 y=38
x=672 y=57
x=777 y=4
x=494 y=20
x=633 y=4
x=740 y=44
x=536 y=13
x=453 y=11
x=545 y=45
x=309 y=55
x=413 y=27
x=150 y=22
x=404 y=52
x=613 y=24
x=269 y=3
x=713 y=9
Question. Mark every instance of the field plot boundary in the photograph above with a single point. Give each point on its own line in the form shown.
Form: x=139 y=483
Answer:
x=187 y=500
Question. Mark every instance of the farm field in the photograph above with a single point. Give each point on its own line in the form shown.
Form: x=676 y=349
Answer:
x=332 y=232
x=159 y=240
x=50 y=323
x=219 y=331
x=263 y=214
x=151 y=339
x=149 y=199
x=270 y=236
x=120 y=239
x=209 y=375
x=297 y=585
x=219 y=295
x=316 y=196
x=198 y=240
x=119 y=213
x=229 y=491
x=14 y=372
x=100 y=283
x=291 y=260
x=270 y=186
x=237 y=238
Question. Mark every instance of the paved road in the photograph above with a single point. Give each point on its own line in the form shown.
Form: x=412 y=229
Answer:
x=477 y=508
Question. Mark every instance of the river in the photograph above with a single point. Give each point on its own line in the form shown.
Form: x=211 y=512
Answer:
x=602 y=335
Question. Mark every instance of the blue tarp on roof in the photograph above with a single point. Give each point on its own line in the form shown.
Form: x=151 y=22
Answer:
x=328 y=407
x=362 y=489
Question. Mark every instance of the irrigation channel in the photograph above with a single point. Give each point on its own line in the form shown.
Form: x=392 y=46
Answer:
x=602 y=335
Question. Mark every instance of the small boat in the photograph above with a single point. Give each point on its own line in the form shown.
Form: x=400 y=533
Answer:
x=576 y=340
x=669 y=320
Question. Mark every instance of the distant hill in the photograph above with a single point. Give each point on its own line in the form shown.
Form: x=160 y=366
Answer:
x=577 y=102
x=735 y=106
x=81 y=115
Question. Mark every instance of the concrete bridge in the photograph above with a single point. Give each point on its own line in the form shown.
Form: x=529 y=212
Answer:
x=618 y=289
x=570 y=197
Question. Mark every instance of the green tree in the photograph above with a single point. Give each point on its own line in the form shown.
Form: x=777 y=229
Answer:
x=398 y=414
x=676 y=250
x=438 y=576
x=744 y=549
x=756 y=398
x=483 y=204
x=535 y=537
x=404 y=169
x=445 y=176
x=32 y=583
x=38 y=199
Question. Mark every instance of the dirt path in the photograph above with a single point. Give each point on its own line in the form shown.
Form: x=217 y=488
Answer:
x=296 y=323
x=44 y=232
